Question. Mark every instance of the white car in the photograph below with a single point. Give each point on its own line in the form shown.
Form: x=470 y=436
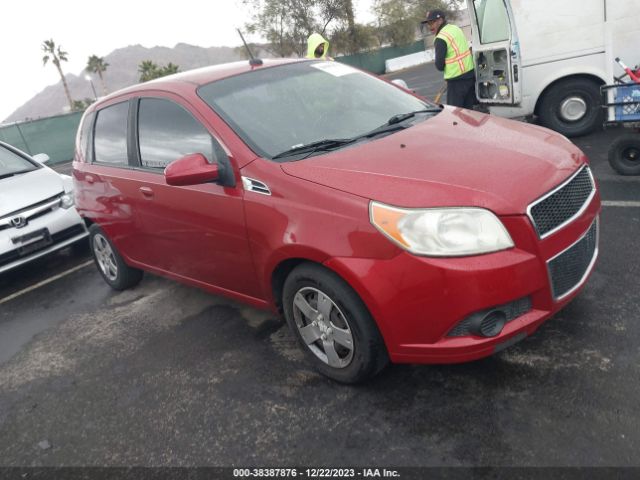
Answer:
x=37 y=212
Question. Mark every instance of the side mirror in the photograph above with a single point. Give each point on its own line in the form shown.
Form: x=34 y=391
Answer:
x=401 y=83
x=41 y=157
x=192 y=169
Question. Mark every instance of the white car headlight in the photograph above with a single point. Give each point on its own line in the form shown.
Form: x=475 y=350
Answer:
x=441 y=232
x=66 y=200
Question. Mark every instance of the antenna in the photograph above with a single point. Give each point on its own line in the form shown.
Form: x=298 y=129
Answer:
x=254 y=62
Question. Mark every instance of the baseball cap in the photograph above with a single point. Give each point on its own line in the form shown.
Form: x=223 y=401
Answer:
x=433 y=15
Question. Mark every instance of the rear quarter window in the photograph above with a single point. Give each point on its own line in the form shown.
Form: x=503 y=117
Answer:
x=83 y=140
x=110 y=135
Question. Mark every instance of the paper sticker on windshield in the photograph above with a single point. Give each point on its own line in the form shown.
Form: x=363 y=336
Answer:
x=334 y=68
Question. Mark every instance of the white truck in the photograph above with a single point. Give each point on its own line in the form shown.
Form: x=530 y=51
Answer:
x=549 y=58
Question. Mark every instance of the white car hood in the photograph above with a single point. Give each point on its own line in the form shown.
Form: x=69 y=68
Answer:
x=24 y=190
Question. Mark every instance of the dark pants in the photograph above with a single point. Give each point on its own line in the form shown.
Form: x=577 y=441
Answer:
x=462 y=92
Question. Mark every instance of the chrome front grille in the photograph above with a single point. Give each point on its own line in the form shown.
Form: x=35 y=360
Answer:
x=569 y=269
x=563 y=204
x=32 y=211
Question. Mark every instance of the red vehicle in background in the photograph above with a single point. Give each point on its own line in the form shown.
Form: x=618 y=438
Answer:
x=383 y=227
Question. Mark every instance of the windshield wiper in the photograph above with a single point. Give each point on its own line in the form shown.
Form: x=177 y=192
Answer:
x=319 y=146
x=394 y=124
x=401 y=117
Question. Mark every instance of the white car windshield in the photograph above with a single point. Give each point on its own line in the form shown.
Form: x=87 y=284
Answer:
x=276 y=109
x=12 y=164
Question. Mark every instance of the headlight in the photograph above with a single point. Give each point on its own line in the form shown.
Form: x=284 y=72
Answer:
x=441 y=232
x=66 y=200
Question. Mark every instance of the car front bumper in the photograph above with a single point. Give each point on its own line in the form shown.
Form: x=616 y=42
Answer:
x=64 y=227
x=417 y=301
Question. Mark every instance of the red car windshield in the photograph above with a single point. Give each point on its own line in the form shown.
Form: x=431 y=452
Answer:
x=279 y=108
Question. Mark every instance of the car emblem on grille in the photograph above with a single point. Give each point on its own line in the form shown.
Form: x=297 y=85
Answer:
x=19 y=222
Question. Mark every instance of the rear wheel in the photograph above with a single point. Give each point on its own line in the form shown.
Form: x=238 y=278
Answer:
x=572 y=107
x=111 y=266
x=624 y=154
x=332 y=325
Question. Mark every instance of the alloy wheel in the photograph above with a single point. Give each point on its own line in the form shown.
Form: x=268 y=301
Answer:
x=105 y=257
x=323 y=327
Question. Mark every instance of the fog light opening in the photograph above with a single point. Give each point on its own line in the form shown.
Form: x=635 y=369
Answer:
x=490 y=325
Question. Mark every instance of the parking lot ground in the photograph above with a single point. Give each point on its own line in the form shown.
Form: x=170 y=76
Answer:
x=167 y=375
x=424 y=79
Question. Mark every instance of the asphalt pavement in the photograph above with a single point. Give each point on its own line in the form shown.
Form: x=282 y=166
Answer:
x=424 y=79
x=167 y=375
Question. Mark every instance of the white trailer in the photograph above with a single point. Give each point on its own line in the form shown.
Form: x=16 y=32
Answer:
x=549 y=58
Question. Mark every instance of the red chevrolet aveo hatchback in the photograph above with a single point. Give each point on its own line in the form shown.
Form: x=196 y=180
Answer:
x=382 y=226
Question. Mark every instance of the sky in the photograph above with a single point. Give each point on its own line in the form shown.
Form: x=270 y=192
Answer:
x=98 y=28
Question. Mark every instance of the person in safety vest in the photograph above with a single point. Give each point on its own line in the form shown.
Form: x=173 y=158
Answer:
x=318 y=47
x=454 y=58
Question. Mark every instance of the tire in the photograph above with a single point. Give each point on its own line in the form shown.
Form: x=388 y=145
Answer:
x=348 y=348
x=624 y=154
x=561 y=107
x=111 y=266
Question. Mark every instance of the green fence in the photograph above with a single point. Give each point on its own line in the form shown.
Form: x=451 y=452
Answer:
x=54 y=136
x=374 y=62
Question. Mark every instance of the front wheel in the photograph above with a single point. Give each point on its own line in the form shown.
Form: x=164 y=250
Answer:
x=332 y=325
x=111 y=265
x=624 y=154
x=572 y=107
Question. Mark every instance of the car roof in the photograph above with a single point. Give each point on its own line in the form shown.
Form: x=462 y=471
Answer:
x=199 y=76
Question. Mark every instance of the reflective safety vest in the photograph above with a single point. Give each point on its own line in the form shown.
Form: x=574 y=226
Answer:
x=459 y=59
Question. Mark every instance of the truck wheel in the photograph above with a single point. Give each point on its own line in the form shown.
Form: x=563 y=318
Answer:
x=111 y=266
x=624 y=154
x=332 y=325
x=572 y=107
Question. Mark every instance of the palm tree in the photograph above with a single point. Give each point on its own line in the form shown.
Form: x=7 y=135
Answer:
x=148 y=70
x=97 y=65
x=56 y=55
x=170 y=69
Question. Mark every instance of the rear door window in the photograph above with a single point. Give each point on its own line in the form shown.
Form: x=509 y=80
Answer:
x=84 y=138
x=110 y=138
x=167 y=132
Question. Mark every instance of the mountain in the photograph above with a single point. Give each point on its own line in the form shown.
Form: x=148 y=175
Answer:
x=122 y=72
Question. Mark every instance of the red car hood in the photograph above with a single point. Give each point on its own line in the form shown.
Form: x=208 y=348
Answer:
x=457 y=158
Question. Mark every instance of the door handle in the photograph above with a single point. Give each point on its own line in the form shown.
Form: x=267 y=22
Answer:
x=146 y=192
